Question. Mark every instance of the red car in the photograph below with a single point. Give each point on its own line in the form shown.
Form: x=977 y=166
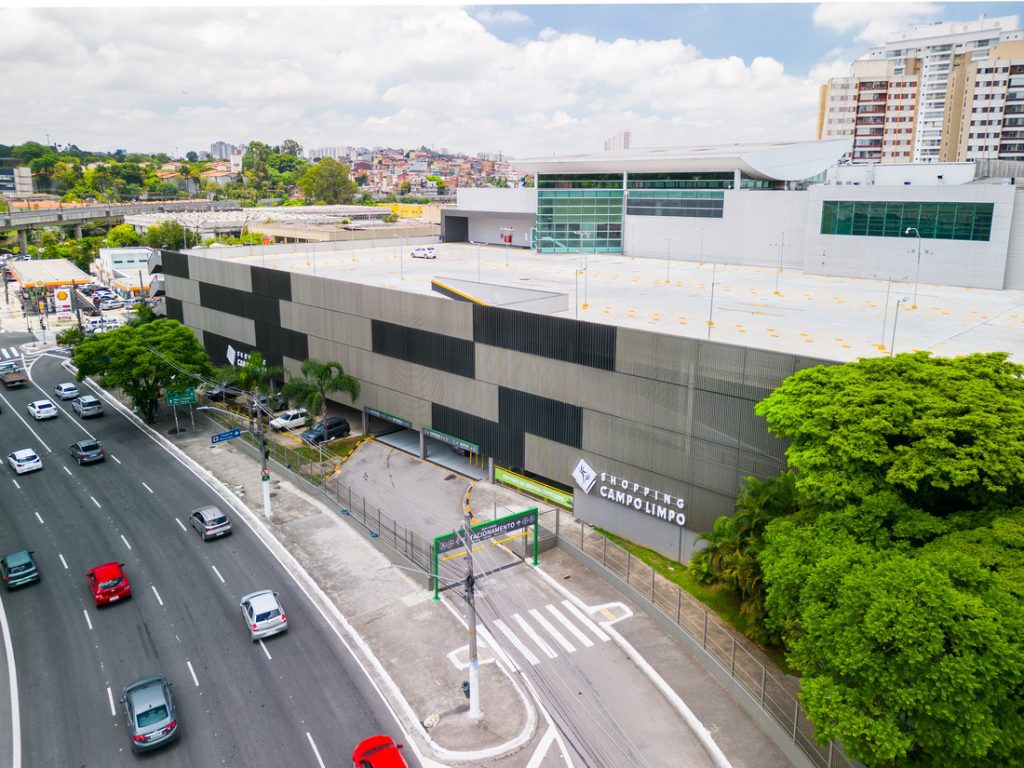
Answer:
x=378 y=752
x=108 y=584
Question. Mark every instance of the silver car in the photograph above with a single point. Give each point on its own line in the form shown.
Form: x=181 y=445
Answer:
x=149 y=713
x=210 y=522
x=263 y=614
x=87 y=405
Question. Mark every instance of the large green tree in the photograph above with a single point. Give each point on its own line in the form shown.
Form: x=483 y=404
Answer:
x=123 y=236
x=328 y=181
x=896 y=585
x=143 y=360
x=170 y=235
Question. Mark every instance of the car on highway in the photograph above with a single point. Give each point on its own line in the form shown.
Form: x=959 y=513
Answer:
x=66 y=391
x=87 y=405
x=210 y=522
x=424 y=252
x=149 y=713
x=108 y=583
x=330 y=428
x=43 y=409
x=263 y=614
x=378 y=751
x=24 y=460
x=296 y=417
x=87 y=451
x=18 y=569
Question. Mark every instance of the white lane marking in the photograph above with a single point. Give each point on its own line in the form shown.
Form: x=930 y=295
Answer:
x=316 y=751
x=154 y=589
x=193 y=672
x=569 y=625
x=264 y=647
x=507 y=632
x=586 y=621
x=147 y=487
x=15 y=483
x=66 y=469
x=546 y=649
x=110 y=698
x=181 y=525
x=5 y=353
x=63 y=561
x=87 y=619
x=12 y=675
x=115 y=458
x=550 y=629
x=98 y=505
x=125 y=541
x=218 y=574
x=39 y=518
x=542 y=749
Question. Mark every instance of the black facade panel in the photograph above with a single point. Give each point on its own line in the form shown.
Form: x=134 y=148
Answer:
x=271 y=282
x=505 y=444
x=240 y=303
x=175 y=310
x=274 y=342
x=434 y=350
x=572 y=341
x=174 y=263
x=217 y=348
x=541 y=416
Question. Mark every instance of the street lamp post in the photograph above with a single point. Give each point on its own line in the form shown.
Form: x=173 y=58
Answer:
x=917 y=272
x=474 y=663
x=896 y=319
x=711 y=308
x=885 y=313
x=778 y=270
x=668 y=261
x=260 y=436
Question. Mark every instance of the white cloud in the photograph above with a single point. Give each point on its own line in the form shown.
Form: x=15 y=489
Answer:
x=502 y=17
x=875 y=21
x=155 y=80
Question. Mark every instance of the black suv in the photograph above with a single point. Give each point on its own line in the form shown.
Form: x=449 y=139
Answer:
x=330 y=428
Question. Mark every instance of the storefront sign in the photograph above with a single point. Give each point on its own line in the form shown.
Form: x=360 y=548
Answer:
x=620 y=490
x=388 y=417
x=555 y=496
x=455 y=442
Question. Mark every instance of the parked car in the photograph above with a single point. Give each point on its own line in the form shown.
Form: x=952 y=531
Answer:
x=220 y=392
x=111 y=304
x=24 y=460
x=108 y=583
x=87 y=405
x=263 y=614
x=330 y=428
x=275 y=402
x=43 y=409
x=87 y=451
x=296 y=417
x=66 y=391
x=210 y=522
x=18 y=568
x=424 y=252
x=149 y=713
x=378 y=751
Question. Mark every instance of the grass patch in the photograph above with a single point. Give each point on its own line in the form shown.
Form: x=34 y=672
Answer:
x=715 y=597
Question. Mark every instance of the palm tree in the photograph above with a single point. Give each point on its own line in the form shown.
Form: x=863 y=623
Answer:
x=319 y=379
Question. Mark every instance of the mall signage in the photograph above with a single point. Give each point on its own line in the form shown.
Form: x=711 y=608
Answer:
x=636 y=496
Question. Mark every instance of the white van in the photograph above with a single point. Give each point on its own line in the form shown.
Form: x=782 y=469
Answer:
x=424 y=252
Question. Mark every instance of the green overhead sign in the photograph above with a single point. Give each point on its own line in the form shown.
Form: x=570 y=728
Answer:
x=555 y=496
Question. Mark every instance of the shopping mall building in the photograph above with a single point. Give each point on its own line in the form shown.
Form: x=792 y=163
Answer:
x=644 y=425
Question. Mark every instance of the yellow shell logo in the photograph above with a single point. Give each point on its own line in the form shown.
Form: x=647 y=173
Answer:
x=62 y=295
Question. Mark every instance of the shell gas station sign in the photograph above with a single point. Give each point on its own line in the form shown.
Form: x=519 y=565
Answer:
x=62 y=302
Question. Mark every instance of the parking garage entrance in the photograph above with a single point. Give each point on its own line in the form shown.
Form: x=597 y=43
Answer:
x=431 y=445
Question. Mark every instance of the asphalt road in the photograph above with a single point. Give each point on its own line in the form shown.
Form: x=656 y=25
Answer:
x=297 y=699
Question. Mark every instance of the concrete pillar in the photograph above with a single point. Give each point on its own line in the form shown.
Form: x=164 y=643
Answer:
x=78 y=231
x=23 y=241
x=737 y=179
x=423 y=445
x=366 y=422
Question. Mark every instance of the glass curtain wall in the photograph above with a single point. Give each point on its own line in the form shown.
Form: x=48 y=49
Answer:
x=879 y=218
x=579 y=213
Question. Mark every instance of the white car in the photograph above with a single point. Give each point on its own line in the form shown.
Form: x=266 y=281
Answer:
x=43 y=409
x=111 y=304
x=296 y=417
x=263 y=614
x=24 y=461
x=66 y=391
x=424 y=252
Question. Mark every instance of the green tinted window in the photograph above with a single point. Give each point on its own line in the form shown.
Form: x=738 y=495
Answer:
x=938 y=221
x=573 y=220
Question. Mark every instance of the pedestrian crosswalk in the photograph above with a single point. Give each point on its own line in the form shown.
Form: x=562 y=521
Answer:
x=545 y=634
x=9 y=353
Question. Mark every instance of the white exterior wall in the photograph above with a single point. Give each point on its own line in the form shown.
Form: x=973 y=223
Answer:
x=519 y=200
x=124 y=259
x=897 y=174
x=966 y=263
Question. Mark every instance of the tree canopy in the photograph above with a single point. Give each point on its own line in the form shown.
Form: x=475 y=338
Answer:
x=170 y=235
x=143 y=359
x=123 y=236
x=328 y=180
x=896 y=584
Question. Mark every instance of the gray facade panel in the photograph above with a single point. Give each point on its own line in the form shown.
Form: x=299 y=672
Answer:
x=219 y=272
x=182 y=288
x=221 y=323
x=342 y=327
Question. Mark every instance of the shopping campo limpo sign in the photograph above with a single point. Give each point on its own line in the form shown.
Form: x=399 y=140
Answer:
x=641 y=498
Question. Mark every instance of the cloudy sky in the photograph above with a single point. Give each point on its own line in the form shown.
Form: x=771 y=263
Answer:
x=525 y=80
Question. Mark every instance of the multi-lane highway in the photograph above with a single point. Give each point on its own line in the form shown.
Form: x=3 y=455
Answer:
x=297 y=699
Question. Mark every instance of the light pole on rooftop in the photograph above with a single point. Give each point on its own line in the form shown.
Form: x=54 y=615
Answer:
x=917 y=271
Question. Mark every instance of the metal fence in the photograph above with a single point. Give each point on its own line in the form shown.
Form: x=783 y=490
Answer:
x=764 y=686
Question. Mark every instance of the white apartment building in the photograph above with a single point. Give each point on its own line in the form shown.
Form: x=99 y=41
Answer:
x=221 y=150
x=335 y=153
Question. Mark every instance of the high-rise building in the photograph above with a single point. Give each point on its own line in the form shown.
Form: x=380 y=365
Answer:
x=619 y=141
x=935 y=93
x=221 y=150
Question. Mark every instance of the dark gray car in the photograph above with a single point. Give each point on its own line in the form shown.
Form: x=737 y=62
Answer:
x=149 y=713
x=87 y=451
x=330 y=428
x=18 y=568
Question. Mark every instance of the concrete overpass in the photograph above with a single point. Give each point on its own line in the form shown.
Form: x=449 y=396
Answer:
x=110 y=213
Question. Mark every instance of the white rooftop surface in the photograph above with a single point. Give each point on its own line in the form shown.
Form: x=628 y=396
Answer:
x=838 y=319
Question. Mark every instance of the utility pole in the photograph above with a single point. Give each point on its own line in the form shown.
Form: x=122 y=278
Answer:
x=265 y=470
x=474 y=663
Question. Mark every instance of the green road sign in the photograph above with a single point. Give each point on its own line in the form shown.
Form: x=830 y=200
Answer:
x=555 y=496
x=184 y=397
